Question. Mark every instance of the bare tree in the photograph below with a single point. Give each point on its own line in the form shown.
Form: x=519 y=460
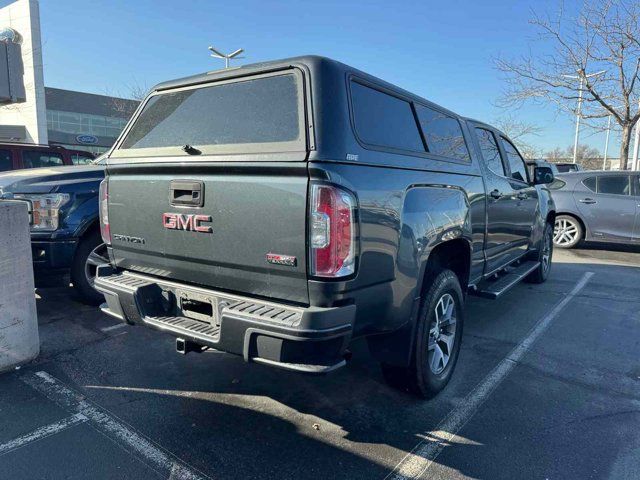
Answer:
x=585 y=152
x=556 y=155
x=604 y=36
x=518 y=131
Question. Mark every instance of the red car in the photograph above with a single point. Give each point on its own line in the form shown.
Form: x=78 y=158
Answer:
x=16 y=156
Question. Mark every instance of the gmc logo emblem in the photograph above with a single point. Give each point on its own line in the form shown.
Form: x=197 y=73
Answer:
x=191 y=222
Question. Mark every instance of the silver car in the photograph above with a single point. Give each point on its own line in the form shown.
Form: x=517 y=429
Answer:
x=600 y=206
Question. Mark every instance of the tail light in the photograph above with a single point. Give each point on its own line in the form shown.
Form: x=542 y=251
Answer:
x=105 y=230
x=333 y=232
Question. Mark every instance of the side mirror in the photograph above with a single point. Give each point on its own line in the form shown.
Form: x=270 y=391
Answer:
x=542 y=175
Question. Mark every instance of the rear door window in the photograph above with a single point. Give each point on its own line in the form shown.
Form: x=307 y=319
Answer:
x=614 y=185
x=590 y=183
x=442 y=134
x=260 y=114
x=384 y=120
x=516 y=162
x=6 y=162
x=490 y=151
x=38 y=159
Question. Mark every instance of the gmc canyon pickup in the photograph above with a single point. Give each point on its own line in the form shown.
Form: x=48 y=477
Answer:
x=280 y=210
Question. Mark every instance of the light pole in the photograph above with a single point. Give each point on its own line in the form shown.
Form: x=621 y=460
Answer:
x=217 y=54
x=634 y=163
x=579 y=109
x=606 y=143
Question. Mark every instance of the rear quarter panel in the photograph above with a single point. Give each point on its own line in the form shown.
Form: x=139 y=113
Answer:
x=403 y=215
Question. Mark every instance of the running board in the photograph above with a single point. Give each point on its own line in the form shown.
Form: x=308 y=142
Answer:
x=506 y=281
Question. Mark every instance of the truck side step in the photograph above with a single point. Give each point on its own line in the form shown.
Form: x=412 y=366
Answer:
x=507 y=280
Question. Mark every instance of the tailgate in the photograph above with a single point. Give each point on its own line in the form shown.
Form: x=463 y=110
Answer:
x=223 y=244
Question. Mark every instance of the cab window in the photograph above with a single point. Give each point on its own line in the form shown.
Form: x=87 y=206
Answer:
x=81 y=159
x=6 y=163
x=38 y=159
x=516 y=163
x=490 y=151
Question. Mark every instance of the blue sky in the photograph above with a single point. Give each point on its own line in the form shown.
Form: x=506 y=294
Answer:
x=440 y=50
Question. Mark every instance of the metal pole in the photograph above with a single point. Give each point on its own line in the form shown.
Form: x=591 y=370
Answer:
x=606 y=144
x=634 y=164
x=575 y=142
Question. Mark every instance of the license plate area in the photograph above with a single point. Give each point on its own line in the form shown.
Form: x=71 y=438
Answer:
x=198 y=306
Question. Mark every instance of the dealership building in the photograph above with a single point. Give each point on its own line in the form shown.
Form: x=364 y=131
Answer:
x=30 y=112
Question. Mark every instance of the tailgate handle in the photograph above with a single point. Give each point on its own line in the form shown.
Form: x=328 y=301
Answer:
x=186 y=193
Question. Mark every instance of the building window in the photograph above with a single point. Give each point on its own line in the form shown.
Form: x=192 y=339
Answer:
x=84 y=123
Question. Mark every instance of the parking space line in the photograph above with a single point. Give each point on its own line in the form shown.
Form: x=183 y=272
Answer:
x=420 y=459
x=151 y=454
x=113 y=327
x=42 y=432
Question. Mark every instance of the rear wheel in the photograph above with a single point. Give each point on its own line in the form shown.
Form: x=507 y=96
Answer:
x=436 y=341
x=567 y=231
x=90 y=253
x=545 y=254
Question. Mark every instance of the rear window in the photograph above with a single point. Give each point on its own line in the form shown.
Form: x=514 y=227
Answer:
x=442 y=133
x=263 y=110
x=5 y=161
x=38 y=159
x=384 y=120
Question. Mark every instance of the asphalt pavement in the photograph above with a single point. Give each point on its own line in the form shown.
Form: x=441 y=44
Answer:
x=547 y=386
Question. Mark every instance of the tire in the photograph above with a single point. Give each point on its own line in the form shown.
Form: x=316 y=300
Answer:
x=429 y=373
x=90 y=253
x=545 y=255
x=567 y=231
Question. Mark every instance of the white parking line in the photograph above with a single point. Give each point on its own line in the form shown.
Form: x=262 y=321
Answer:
x=420 y=459
x=114 y=327
x=151 y=454
x=42 y=432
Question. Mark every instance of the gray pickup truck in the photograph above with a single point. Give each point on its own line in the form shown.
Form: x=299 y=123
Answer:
x=280 y=210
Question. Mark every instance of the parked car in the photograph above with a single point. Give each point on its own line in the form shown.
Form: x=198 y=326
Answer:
x=63 y=208
x=280 y=210
x=533 y=163
x=17 y=156
x=569 y=167
x=600 y=206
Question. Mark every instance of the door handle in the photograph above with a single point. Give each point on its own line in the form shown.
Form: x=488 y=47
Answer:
x=588 y=201
x=495 y=194
x=522 y=196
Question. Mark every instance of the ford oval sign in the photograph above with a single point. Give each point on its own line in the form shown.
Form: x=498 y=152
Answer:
x=87 y=139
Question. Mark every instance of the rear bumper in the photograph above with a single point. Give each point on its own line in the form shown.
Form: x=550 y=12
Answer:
x=311 y=339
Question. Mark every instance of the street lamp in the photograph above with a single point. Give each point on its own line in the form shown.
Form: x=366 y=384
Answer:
x=579 y=109
x=218 y=54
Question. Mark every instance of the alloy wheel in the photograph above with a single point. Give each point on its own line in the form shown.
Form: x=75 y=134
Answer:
x=98 y=256
x=565 y=232
x=442 y=334
x=546 y=251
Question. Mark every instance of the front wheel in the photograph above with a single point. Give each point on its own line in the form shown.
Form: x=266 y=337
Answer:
x=567 y=231
x=437 y=340
x=90 y=253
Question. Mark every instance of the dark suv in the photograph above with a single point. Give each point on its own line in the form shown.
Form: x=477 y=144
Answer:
x=279 y=210
x=16 y=156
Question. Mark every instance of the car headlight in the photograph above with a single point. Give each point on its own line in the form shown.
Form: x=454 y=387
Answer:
x=45 y=210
